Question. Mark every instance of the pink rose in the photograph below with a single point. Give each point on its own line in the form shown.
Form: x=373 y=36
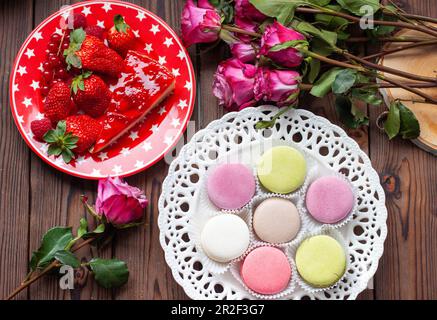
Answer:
x=119 y=202
x=244 y=9
x=280 y=86
x=233 y=84
x=199 y=25
x=276 y=34
x=245 y=52
x=246 y=25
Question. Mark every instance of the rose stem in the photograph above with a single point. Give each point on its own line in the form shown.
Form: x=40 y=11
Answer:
x=309 y=86
x=238 y=30
x=331 y=61
x=378 y=22
x=46 y=270
x=385 y=69
x=387 y=39
x=407 y=15
x=406 y=47
x=427 y=97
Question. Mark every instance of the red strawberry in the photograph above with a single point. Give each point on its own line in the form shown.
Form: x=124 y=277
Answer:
x=91 y=94
x=40 y=127
x=74 y=135
x=58 y=102
x=76 y=21
x=90 y=53
x=95 y=31
x=120 y=36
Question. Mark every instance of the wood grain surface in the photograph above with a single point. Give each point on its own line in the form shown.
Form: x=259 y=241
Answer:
x=35 y=197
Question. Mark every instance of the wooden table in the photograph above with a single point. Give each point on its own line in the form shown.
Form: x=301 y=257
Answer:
x=35 y=197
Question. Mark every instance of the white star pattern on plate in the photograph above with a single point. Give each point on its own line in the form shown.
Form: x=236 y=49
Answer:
x=58 y=31
x=141 y=15
x=125 y=152
x=44 y=148
x=37 y=36
x=175 y=122
x=147 y=146
x=162 y=111
x=182 y=104
x=154 y=128
x=168 y=140
x=20 y=119
x=41 y=68
x=15 y=88
x=107 y=7
x=134 y=135
x=154 y=29
x=100 y=24
x=27 y=102
x=96 y=173
x=30 y=53
x=175 y=72
x=168 y=42
x=21 y=70
x=188 y=85
x=139 y=164
x=80 y=160
x=39 y=116
x=162 y=60
x=148 y=47
x=117 y=169
x=103 y=156
x=136 y=33
x=181 y=54
x=35 y=84
x=86 y=11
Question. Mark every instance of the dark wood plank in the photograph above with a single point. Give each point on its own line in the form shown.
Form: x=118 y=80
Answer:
x=60 y=204
x=408 y=268
x=15 y=25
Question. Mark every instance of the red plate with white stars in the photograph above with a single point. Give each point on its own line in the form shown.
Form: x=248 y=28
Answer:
x=146 y=143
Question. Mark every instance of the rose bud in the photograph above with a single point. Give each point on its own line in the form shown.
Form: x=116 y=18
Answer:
x=280 y=86
x=233 y=84
x=243 y=8
x=276 y=34
x=118 y=202
x=245 y=52
x=199 y=25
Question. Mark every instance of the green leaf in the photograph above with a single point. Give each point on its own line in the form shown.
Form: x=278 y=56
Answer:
x=369 y=96
x=330 y=20
x=56 y=239
x=344 y=80
x=349 y=114
x=109 y=273
x=314 y=70
x=410 y=127
x=320 y=3
x=308 y=29
x=282 y=10
x=67 y=258
x=289 y=44
x=324 y=84
x=98 y=230
x=355 y=6
x=393 y=123
x=321 y=47
x=54 y=150
x=61 y=127
x=83 y=227
x=119 y=24
x=50 y=136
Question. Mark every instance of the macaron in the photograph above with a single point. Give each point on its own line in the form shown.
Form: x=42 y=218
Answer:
x=224 y=237
x=276 y=220
x=329 y=199
x=266 y=270
x=282 y=169
x=230 y=186
x=321 y=261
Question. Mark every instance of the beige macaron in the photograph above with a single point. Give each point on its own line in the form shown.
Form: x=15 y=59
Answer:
x=276 y=220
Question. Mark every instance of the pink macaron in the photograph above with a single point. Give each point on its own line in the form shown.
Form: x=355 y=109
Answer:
x=230 y=186
x=266 y=270
x=329 y=199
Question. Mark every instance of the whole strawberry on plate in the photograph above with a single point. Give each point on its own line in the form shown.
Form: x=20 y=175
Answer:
x=72 y=136
x=120 y=36
x=91 y=94
x=90 y=53
x=57 y=105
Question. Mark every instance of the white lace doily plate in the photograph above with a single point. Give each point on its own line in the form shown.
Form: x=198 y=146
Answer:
x=183 y=204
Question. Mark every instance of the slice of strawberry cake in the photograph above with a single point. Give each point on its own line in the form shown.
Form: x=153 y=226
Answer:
x=142 y=85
